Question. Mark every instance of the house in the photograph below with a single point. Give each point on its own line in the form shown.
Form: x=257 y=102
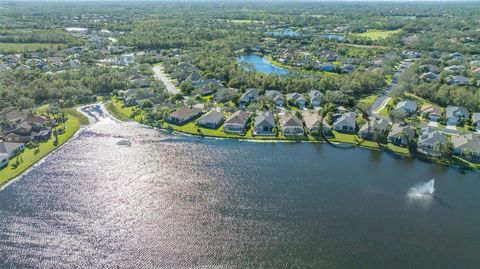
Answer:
x=296 y=99
x=36 y=128
x=428 y=139
x=459 y=80
x=454 y=69
x=236 y=123
x=275 y=96
x=15 y=116
x=347 y=68
x=315 y=124
x=127 y=59
x=212 y=120
x=370 y=129
x=464 y=143
x=206 y=86
x=291 y=125
x=264 y=124
x=9 y=150
x=400 y=134
x=476 y=120
x=183 y=115
x=138 y=97
x=456 y=114
x=428 y=77
x=345 y=123
x=431 y=112
x=456 y=56
x=407 y=107
x=316 y=98
x=248 y=96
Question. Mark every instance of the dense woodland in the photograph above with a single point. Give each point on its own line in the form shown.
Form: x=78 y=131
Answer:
x=211 y=36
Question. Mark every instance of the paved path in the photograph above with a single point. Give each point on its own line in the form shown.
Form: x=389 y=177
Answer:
x=160 y=75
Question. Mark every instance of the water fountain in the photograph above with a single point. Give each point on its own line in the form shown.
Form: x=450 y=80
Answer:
x=423 y=190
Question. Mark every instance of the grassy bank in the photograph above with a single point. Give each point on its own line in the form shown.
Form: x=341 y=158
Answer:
x=116 y=107
x=31 y=156
x=29 y=47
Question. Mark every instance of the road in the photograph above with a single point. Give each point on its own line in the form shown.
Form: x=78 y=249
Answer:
x=160 y=75
x=384 y=94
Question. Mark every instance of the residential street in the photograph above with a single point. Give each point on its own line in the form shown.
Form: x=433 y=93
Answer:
x=160 y=75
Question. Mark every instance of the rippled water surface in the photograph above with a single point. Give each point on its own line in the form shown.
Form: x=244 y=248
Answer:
x=173 y=201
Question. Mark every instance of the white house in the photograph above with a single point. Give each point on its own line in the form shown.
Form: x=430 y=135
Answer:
x=316 y=98
x=408 y=107
x=345 y=123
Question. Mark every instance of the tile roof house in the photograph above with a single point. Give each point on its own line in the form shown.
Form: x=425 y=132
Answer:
x=212 y=120
x=459 y=80
x=400 y=134
x=463 y=143
x=248 y=96
x=38 y=128
x=297 y=99
x=8 y=150
x=345 y=123
x=275 y=96
x=316 y=98
x=407 y=107
x=264 y=124
x=369 y=129
x=291 y=125
x=456 y=114
x=428 y=139
x=433 y=112
x=315 y=123
x=236 y=123
x=183 y=115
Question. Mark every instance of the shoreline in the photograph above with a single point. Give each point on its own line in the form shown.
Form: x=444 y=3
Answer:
x=25 y=170
x=455 y=162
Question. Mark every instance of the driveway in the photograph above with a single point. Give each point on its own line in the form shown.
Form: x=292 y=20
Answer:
x=433 y=123
x=160 y=75
x=451 y=127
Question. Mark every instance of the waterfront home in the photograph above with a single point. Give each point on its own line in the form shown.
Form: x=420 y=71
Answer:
x=456 y=114
x=183 y=115
x=407 y=107
x=315 y=124
x=264 y=124
x=400 y=134
x=248 y=96
x=296 y=99
x=464 y=145
x=316 y=98
x=291 y=125
x=427 y=140
x=428 y=77
x=432 y=112
x=236 y=123
x=476 y=120
x=345 y=123
x=3 y=160
x=371 y=129
x=275 y=96
x=11 y=148
x=38 y=128
x=212 y=120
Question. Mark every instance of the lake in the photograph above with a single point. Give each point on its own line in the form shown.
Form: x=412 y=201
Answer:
x=261 y=64
x=284 y=33
x=170 y=201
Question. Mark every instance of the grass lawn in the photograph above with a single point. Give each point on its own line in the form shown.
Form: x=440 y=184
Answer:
x=74 y=121
x=118 y=110
x=28 y=47
x=384 y=111
x=378 y=34
x=368 y=100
